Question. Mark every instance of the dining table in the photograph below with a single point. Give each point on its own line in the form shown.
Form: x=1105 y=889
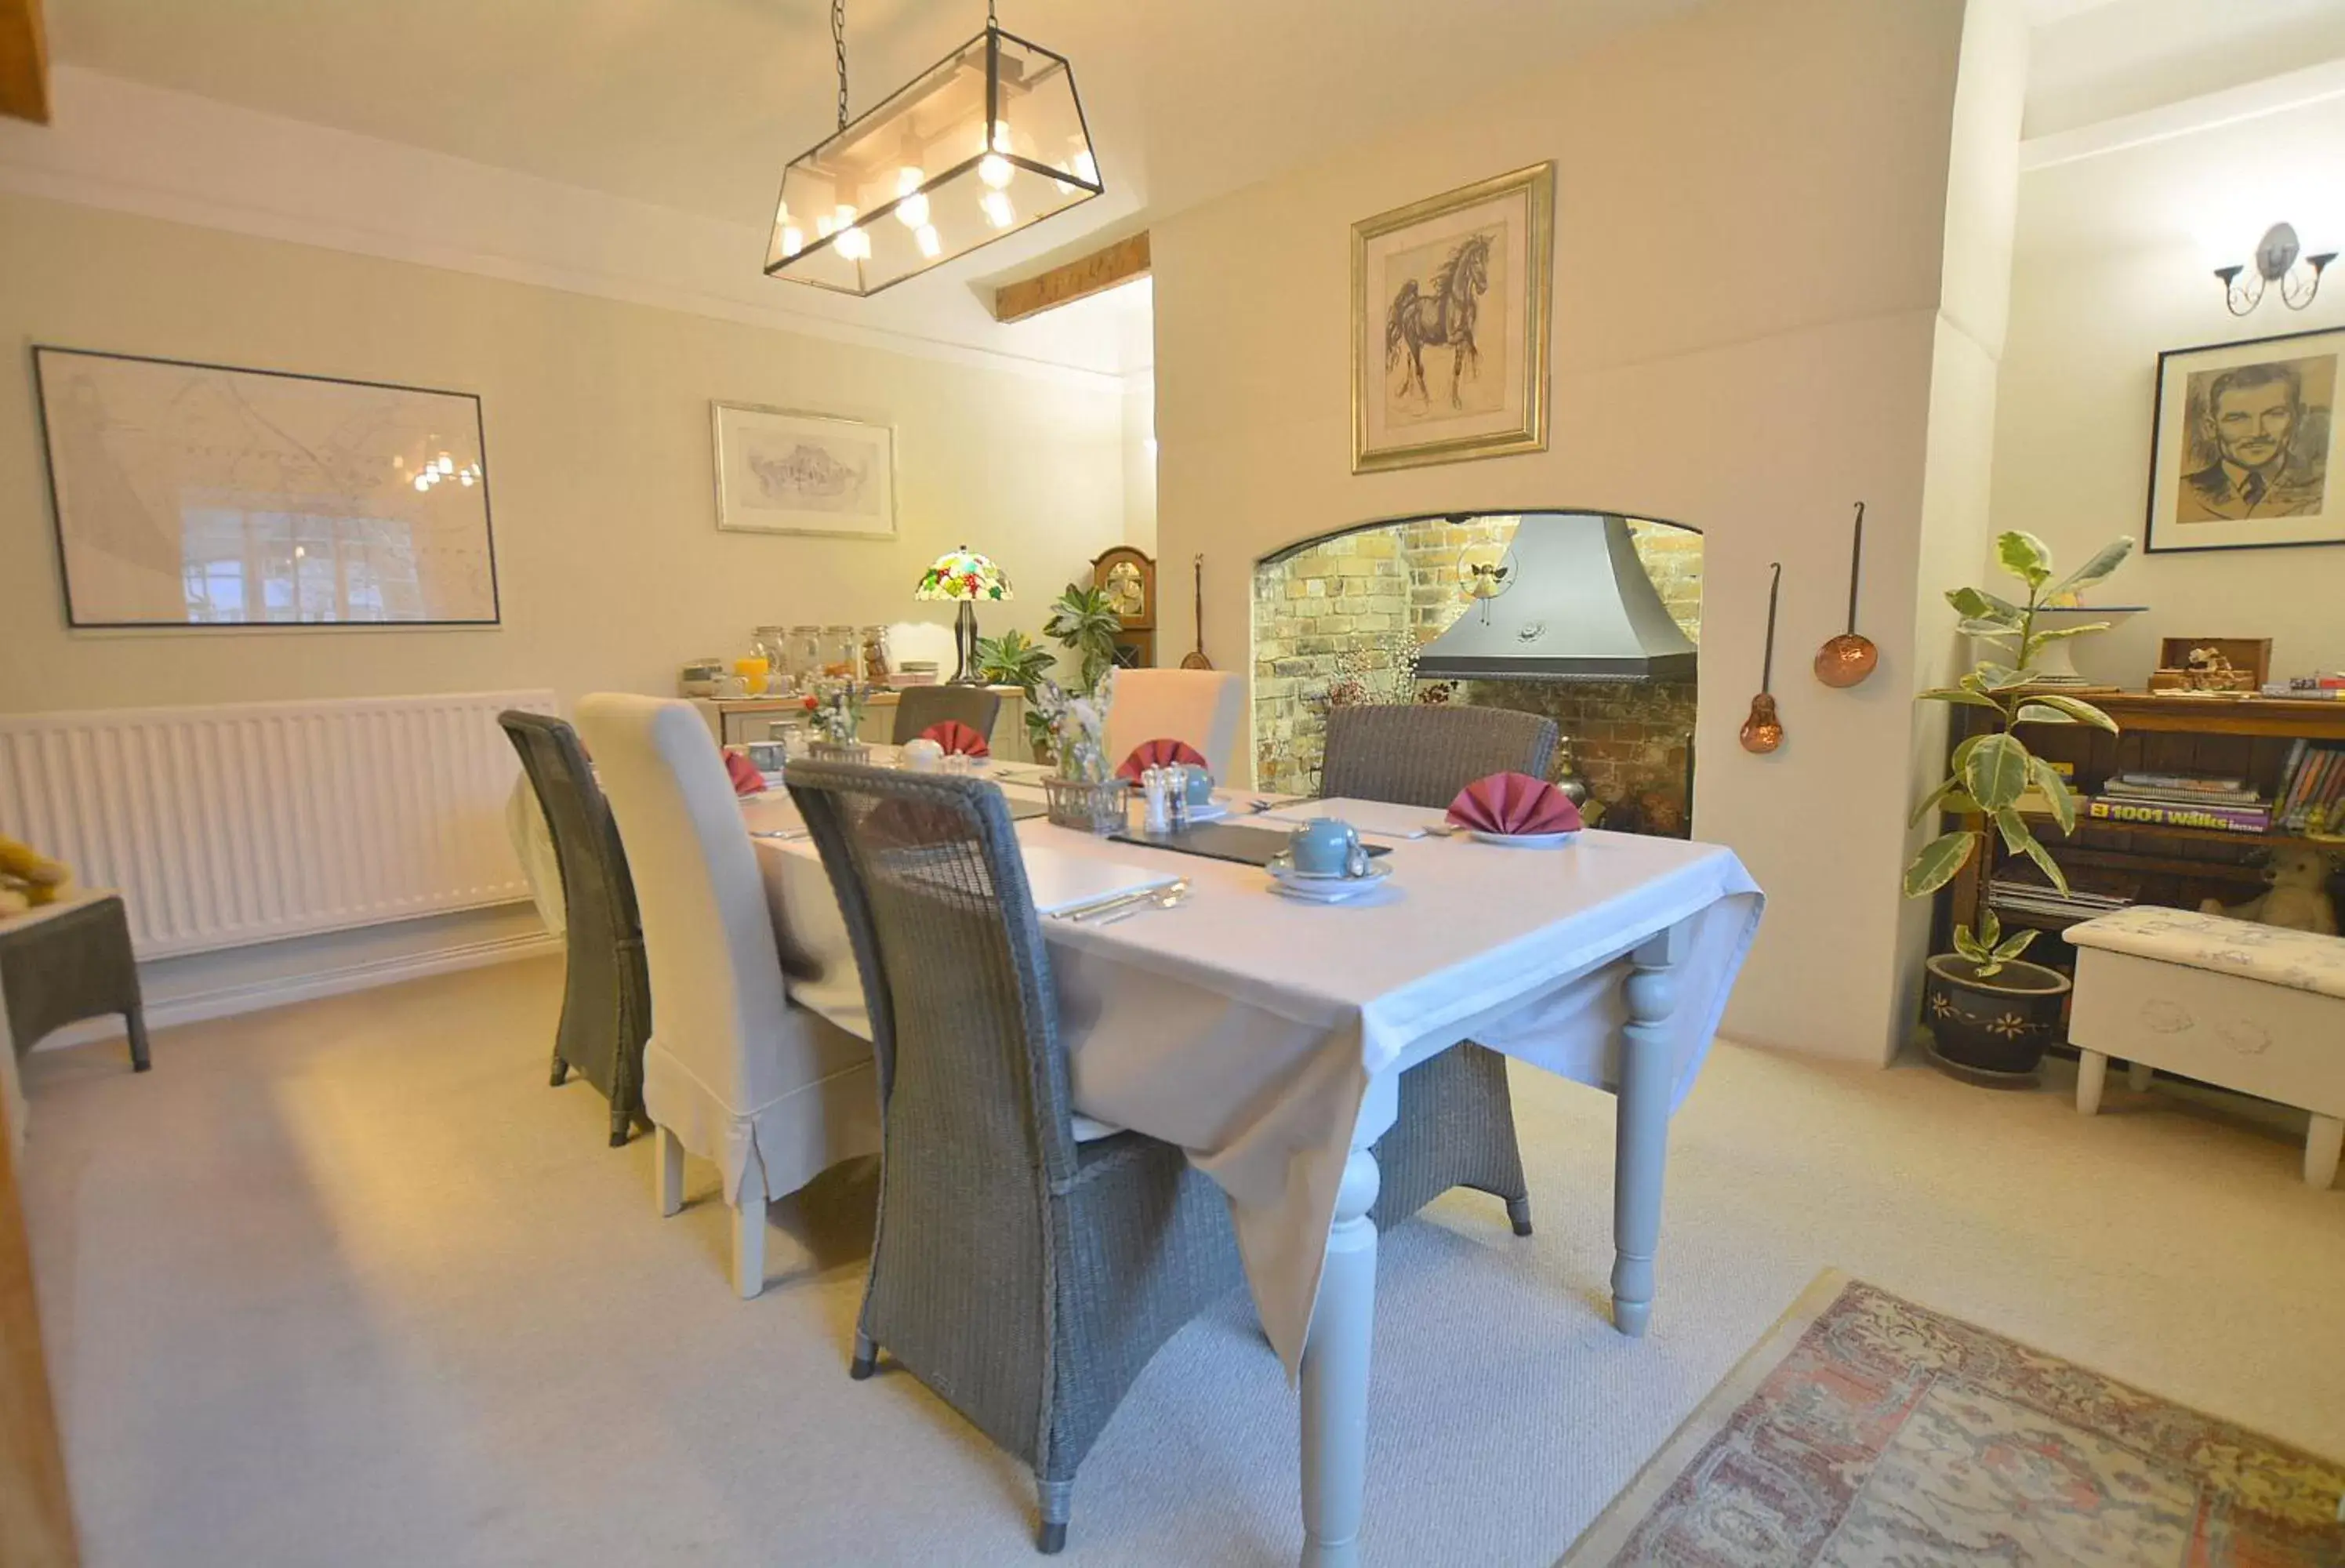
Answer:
x=1265 y=1036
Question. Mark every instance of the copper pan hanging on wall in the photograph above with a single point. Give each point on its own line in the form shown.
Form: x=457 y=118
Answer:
x=1762 y=731
x=1847 y=659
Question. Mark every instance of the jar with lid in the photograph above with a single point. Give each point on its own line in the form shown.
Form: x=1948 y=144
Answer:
x=876 y=663
x=838 y=653
x=806 y=658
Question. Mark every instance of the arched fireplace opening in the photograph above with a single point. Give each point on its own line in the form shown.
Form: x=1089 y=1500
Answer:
x=1588 y=618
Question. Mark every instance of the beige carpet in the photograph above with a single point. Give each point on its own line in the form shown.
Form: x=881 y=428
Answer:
x=346 y=1283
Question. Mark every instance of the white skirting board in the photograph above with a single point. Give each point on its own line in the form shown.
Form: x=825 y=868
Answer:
x=247 y=979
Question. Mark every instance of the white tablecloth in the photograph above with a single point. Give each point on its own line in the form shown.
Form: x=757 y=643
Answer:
x=1245 y=1027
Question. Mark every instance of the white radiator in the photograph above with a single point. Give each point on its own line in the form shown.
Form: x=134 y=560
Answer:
x=255 y=821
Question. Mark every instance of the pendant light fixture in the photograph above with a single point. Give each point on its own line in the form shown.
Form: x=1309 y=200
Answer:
x=985 y=142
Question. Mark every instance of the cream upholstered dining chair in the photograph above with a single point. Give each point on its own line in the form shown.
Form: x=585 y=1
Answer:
x=1198 y=706
x=733 y=1072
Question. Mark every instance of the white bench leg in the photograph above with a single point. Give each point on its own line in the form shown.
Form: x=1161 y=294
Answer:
x=667 y=1170
x=2137 y=1075
x=749 y=1245
x=2323 y=1141
x=2092 y=1075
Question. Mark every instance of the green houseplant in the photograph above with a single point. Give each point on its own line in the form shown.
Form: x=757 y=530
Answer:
x=1989 y=1013
x=1084 y=622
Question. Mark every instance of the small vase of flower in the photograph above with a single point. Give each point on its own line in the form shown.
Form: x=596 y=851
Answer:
x=835 y=709
x=1084 y=792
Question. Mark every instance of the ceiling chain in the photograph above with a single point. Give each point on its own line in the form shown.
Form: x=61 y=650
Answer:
x=839 y=46
x=991 y=21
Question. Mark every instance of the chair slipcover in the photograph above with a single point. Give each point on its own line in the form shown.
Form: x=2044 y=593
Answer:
x=1198 y=706
x=771 y=1093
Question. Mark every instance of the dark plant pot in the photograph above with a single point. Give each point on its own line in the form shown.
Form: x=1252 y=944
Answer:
x=1995 y=1029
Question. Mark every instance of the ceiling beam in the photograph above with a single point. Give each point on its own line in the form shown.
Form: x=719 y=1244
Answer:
x=24 y=62
x=1101 y=270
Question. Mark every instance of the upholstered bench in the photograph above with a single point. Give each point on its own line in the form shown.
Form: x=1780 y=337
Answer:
x=2251 y=1007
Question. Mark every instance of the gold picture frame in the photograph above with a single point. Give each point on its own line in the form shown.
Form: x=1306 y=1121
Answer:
x=1457 y=281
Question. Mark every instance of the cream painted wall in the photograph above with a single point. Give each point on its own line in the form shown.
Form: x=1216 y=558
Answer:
x=2112 y=267
x=610 y=568
x=1750 y=208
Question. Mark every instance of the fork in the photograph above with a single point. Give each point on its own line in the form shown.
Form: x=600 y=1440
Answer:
x=1170 y=897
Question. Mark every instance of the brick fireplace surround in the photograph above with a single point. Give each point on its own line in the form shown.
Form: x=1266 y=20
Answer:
x=1356 y=592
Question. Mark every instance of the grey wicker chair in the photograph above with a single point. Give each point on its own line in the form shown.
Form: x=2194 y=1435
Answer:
x=918 y=707
x=1456 y=1121
x=62 y=963
x=606 y=989
x=1420 y=754
x=1025 y=1277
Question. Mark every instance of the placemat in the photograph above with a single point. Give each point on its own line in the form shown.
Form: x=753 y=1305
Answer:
x=1222 y=841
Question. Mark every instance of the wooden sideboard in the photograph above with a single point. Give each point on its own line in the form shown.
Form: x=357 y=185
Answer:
x=736 y=720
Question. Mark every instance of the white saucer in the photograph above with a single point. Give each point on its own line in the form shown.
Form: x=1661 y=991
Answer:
x=1323 y=887
x=1524 y=840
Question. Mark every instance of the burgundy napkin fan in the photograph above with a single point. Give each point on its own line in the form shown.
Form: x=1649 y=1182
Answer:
x=1514 y=804
x=747 y=779
x=1159 y=753
x=957 y=737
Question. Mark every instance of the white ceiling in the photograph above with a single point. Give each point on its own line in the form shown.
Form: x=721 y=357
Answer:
x=2091 y=61
x=696 y=104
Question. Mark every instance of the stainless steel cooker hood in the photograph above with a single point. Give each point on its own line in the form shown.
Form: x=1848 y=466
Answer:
x=1578 y=607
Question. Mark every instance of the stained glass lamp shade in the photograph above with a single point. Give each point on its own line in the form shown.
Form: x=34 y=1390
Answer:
x=963 y=576
x=919 y=181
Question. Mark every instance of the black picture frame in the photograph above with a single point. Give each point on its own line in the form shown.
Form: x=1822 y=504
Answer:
x=2171 y=451
x=74 y=621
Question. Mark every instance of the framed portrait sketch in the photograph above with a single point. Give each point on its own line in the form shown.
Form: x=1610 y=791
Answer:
x=1449 y=324
x=191 y=495
x=2240 y=452
x=779 y=471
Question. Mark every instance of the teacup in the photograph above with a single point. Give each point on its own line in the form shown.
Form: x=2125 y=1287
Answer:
x=1201 y=784
x=1328 y=846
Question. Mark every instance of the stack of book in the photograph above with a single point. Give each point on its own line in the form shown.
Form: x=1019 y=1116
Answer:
x=2037 y=898
x=2312 y=780
x=2181 y=800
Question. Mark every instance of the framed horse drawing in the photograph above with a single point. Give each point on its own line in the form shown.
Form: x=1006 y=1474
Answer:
x=1449 y=324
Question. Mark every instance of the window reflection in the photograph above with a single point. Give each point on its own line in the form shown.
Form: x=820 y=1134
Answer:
x=242 y=565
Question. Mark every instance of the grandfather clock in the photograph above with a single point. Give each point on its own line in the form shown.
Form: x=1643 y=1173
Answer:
x=1129 y=579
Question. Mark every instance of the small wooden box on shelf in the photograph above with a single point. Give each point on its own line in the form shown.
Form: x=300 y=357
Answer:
x=2224 y=737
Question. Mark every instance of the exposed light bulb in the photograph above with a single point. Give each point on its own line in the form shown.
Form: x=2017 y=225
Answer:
x=1086 y=167
x=911 y=207
x=996 y=171
x=467 y=477
x=1001 y=136
x=447 y=463
x=422 y=482
x=998 y=210
x=926 y=237
x=793 y=241
x=823 y=225
x=855 y=243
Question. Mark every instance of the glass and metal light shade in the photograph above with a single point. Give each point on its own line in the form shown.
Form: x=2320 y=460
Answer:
x=962 y=576
x=986 y=141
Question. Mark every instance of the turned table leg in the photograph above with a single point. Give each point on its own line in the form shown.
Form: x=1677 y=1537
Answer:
x=1336 y=1356
x=1641 y=1136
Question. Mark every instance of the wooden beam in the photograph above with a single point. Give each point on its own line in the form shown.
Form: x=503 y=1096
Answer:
x=36 y=1526
x=24 y=62
x=1101 y=270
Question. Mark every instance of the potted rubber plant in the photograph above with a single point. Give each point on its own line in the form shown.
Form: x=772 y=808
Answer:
x=1990 y=1013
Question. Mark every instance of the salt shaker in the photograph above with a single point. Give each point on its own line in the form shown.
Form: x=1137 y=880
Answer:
x=1176 y=789
x=1155 y=790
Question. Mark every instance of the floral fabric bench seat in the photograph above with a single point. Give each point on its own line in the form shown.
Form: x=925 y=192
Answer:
x=2256 y=1008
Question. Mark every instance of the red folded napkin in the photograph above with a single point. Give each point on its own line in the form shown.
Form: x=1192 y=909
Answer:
x=747 y=779
x=1514 y=803
x=1162 y=751
x=957 y=737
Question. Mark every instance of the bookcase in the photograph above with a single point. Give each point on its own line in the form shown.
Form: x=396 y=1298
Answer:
x=2177 y=866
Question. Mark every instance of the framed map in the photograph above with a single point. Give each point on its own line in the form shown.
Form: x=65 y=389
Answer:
x=783 y=472
x=191 y=495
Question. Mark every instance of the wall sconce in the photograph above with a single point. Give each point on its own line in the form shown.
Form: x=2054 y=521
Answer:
x=2276 y=262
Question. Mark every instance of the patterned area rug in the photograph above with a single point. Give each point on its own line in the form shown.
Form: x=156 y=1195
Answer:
x=1866 y=1429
